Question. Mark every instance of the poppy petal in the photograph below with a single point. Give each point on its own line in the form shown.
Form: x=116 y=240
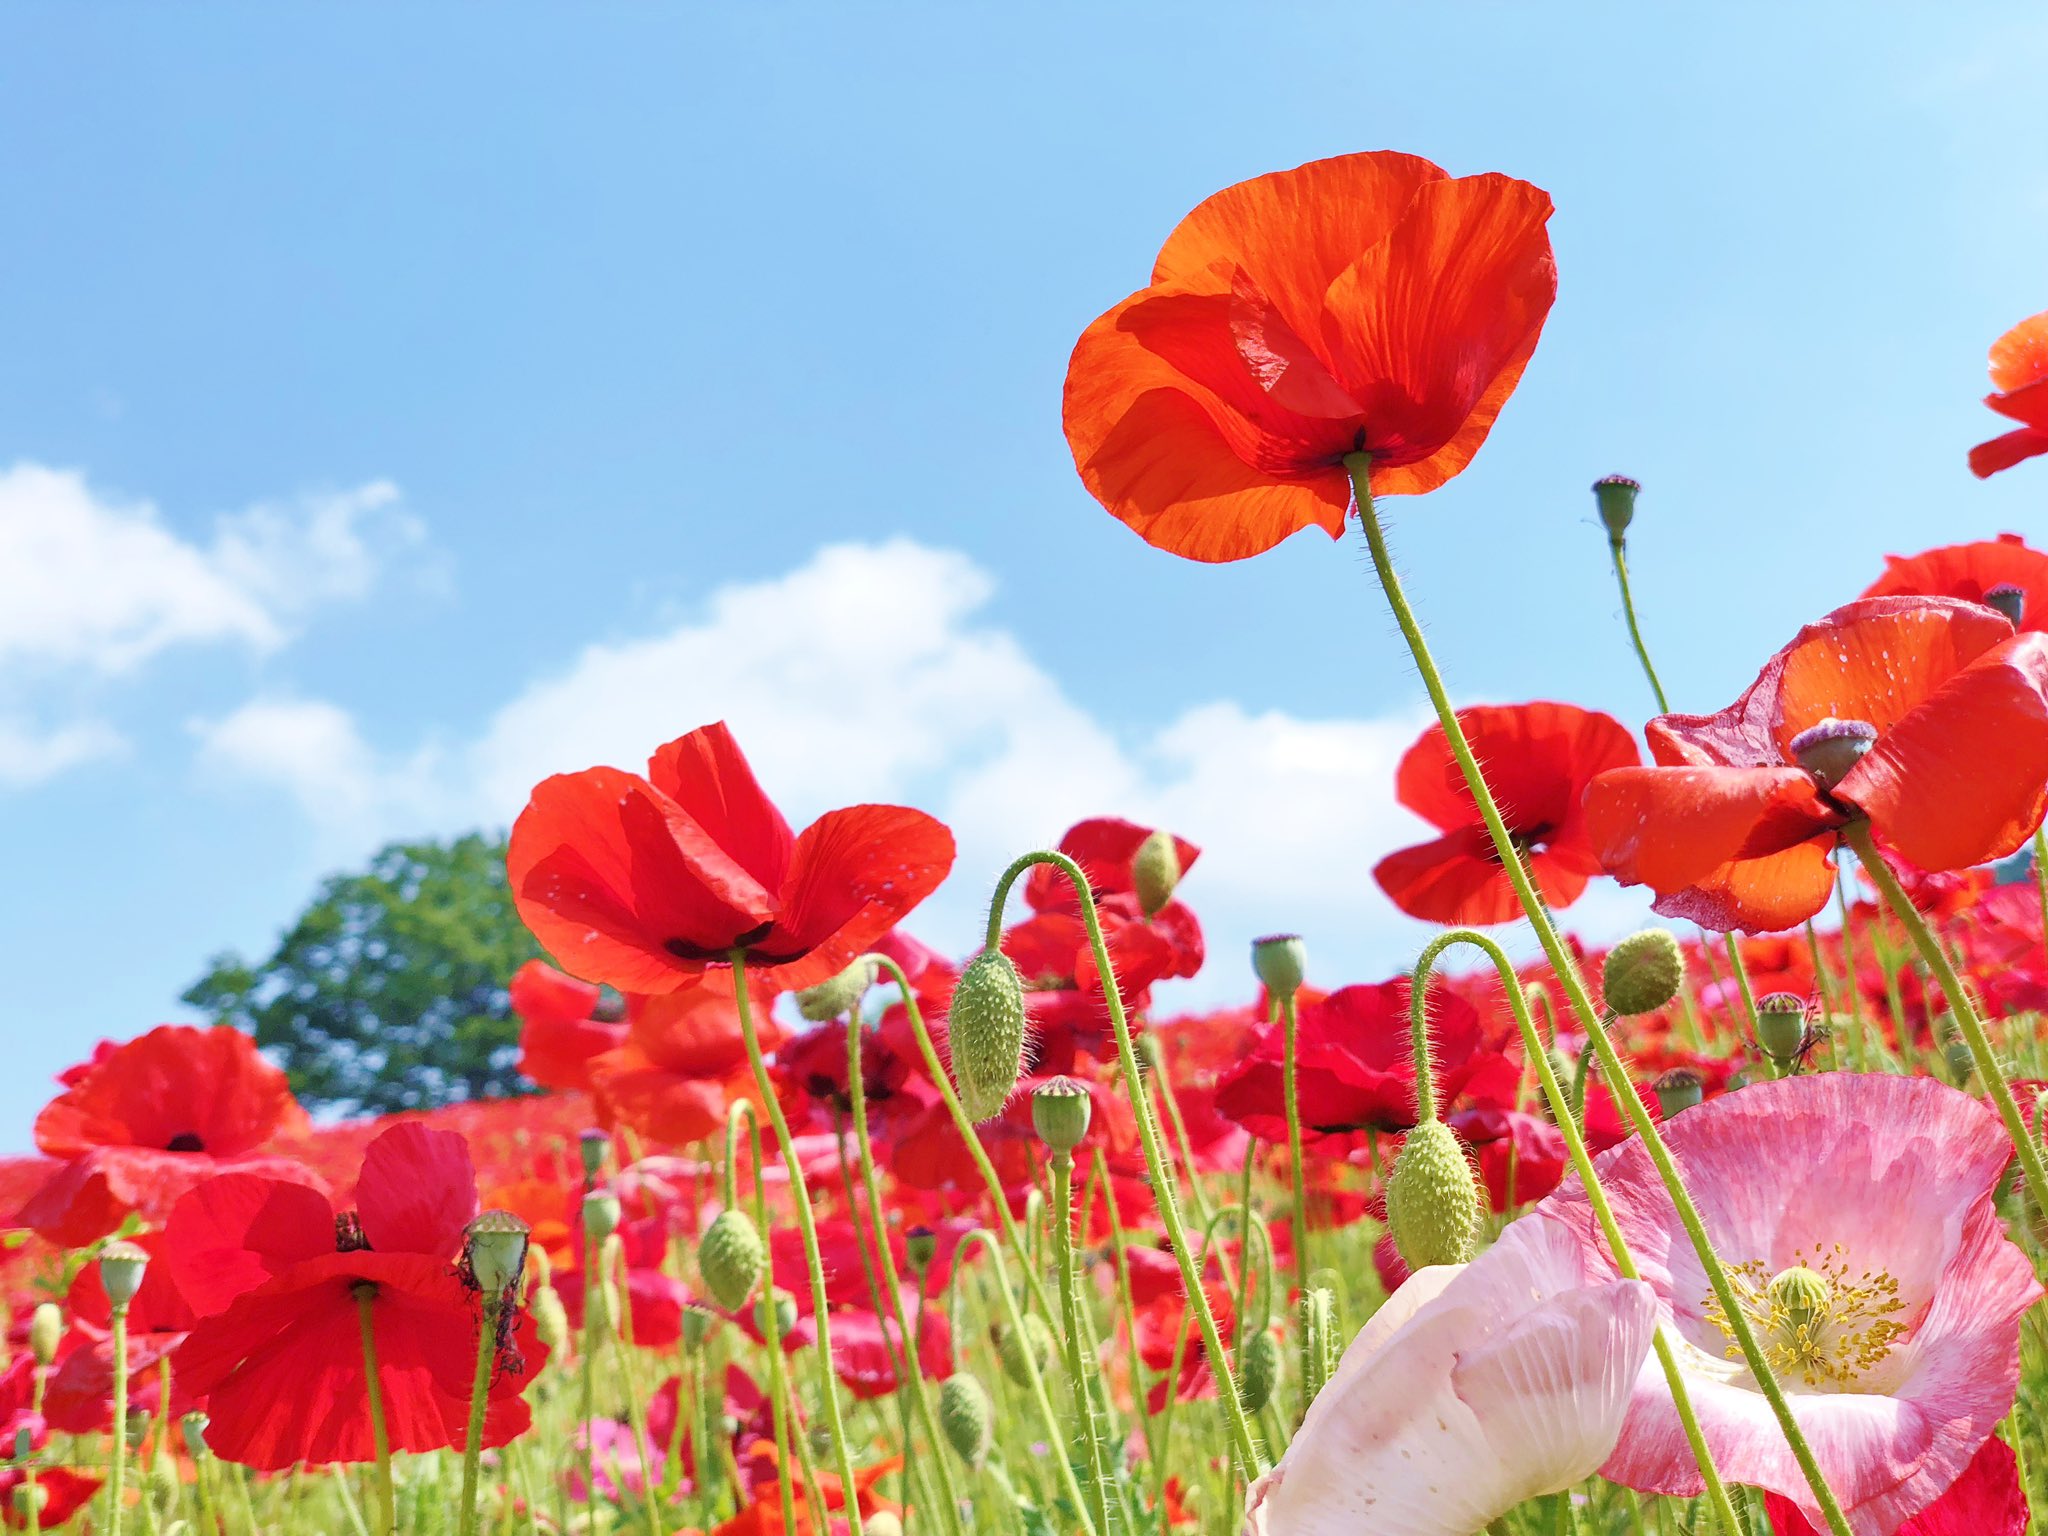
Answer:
x=1453 y=880
x=1669 y=828
x=2020 y=357
x=709 y=777
x=1969 y=571
x=1876 y=659
x=417 y=1191
x=2001 y=453
x=1765 y=894
x=237 y=1232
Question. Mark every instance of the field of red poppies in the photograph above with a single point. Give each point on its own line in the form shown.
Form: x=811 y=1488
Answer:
x=1732 y=1227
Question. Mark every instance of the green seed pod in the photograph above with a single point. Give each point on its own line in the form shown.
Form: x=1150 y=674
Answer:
x=1432 y=1198
x=731 y=1258
x=121 y=1268
x=497 y=1250
x=967 y=1418
x=1678 y=1090
x=1320 y=1350
x=1643 y=972
x=1060 y=1110
x=1258 y=1369
x=1280 y=961
x=45 y=1332
x=601 y=1213
x=2008 y=600
x=193 y=1428
x=1615 y=496
x=920 y=1247
x=1781 y=1025
x=697 y=1323
x=1019 y=1352
x=784 y=1306
x=1155 y=871
x=593 y=1146
x=838 y=996
x=985 y=1034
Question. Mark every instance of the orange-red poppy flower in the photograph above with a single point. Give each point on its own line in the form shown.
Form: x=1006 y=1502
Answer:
x=1538 y=758
x=1365 y=303
x=559 y=1027
x=2003 y=572
x=645 y=883
x=2019 y=380
x=684 y=1061
x=1928 y=716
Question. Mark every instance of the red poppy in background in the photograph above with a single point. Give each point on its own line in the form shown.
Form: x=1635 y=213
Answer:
x=1364 y=303
x=559 y=1026
x=79 y=1399
x=1986 y=1500
x=1971 y=572
x=1105 y=848
x=646 y=883
x=150 y=1119
x=684 y=1061
x=2019 y=377
x=1927 y=715
x=64 y=1494
x=274 y=1272
x=1538 y=758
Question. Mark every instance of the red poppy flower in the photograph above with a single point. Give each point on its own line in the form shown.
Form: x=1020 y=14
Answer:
x=1986 y=1500
x=1972 y=572
x=80 y=1395
x=559 y=1027
x=1365 y=303
x=62 y=1494
x=1538 y=758
x=275 y=1273
x=2019 y=377
x=645 y=883
x=1928 y=715
x=684 y=1061
x=152 y=1118
x=1105 y=847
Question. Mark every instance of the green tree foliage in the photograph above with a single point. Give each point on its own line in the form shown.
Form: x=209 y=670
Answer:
x=388 y=992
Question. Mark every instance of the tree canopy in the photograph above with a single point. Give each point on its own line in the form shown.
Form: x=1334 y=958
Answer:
x=388 y=991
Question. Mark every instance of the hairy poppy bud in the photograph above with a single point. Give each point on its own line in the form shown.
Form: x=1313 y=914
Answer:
x=601 y=1213
x=783 y=1305
x=593 y=1146
x=1432 y=1199
x=1155 y=871
x=1280 y=961
x=1781 y=1025
x=985 y=1034
x=45 y=1332
x=1643 y=972
x=1615 y=496
x=1678 y=1090
x=121 y=1267
x=550 y=1319
x=920 y=1247
x=730 y=1257
x=497 y=1250
x=697 y=1323
x=840 y=995
x=1830 y=749
x=1060 y=1109
x=193 y=1428
x=2008 y=600
x=1019 y=1350
x=1320 y=1348
x=967 y=1418
x=1258 y=1370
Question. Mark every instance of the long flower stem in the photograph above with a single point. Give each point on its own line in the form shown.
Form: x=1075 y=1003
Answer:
x=1290 y=1093
x=1960 y=1007
x=771 y=1324
x=479 y=1398
x=1555 y=1094
x=1615 y=545
x=1246 y=1445
x=1078 y=1376
x=1576 y=993
x=806 y=1223
x=117 y=1470
x=373 y=1391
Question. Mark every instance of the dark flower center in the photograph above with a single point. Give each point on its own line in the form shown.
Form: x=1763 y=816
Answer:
x=185 y=1141
x=348 y=1233
x=689 y=949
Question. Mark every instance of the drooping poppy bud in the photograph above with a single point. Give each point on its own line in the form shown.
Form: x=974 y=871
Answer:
x=1643 y=972
x=1615 y=495
x=1280 y=961
x=1432 y=1198
x=841 y=995
x=966 y=1418
x=1155 y=872
x=731 y=1258
x=45 y=1332
x=1060 y=1110
x=121 y=1268
x=985 y=1034
x=1678 y=1090
x=1258 y=1370
x=497 y=1250
x=1781 y=1025
x=1018 y=1350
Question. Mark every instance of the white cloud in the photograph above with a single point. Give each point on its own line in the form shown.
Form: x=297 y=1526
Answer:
x=29 y=756
x=867 y=674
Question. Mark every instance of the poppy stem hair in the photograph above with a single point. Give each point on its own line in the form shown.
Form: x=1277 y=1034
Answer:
x=1558 y=1097
x=1243 y=1441
x=1960 y=1006
x=1574 y=984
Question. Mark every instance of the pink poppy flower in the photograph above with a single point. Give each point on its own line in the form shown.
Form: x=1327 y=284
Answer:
x=1986 y=1500
x=1855 y=1213
x=1474 y=1387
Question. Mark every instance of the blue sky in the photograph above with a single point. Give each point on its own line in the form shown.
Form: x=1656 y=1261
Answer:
x=403 y=402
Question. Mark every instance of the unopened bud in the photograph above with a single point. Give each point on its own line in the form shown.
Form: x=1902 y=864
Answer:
x=920 y=1247
x=45 y=1332
x=1019 y=1351
x=1060 y=1110
x=1780 y=1025
x=985 y=1034
x=550 y=1319
x=1320 y=1345
x=782 y=1308
x=497 y=1250
x=1155 y=871
x=1258 y=1370
x=1280 y=961
x=731 y=1258
x=193 y=1427
x=1432 y=1198
x=1678 y=1090
x=838 y=996
x=967 y=1418
x=1615 y=496
x=121 y=1268
x=601 y=1213
x=697 y=1323
x=24 y=1443
x=593 y=1146
x=2008 y=600
x=1643 y=972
